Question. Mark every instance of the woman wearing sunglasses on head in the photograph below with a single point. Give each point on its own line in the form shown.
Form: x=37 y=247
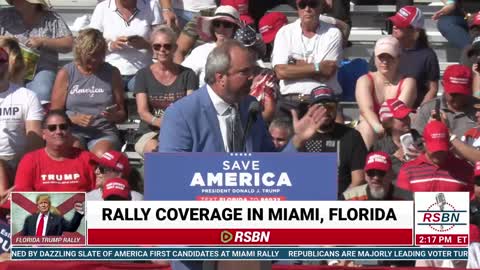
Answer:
x=159 y=85
x=91 y=92
x=58 y=166
x=214 y=30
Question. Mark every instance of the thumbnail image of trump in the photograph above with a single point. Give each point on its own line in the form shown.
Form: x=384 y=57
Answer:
x=48 y=221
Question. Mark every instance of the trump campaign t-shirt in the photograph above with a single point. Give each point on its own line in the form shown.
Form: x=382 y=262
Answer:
x=38 y=172
x=17 y=105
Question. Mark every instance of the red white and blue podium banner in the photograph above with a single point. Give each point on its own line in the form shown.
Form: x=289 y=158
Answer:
x=241 y=176
x=245 y=223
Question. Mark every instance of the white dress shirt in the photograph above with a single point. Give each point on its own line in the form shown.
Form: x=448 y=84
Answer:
x=222 y=115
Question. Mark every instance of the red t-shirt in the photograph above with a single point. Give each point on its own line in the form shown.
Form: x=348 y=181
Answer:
x=38 y=172
x=421 y=175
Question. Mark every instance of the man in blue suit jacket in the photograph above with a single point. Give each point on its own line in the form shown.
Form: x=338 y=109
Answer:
x=192 y=124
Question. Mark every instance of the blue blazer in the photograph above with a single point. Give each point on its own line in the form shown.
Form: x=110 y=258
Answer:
x=191 y=125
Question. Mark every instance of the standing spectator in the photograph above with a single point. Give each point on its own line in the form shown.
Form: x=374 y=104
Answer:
x=281 y=131
x=126 y=25
x=335 y=137
x=473 y=53
x=417 y=59
x=437 y=169
x=456 y=106
x=16 y=65
x=42 y=32
x=394 y=115
x=376 y=87
x=20 y=122
x=379 y=184
x=268 y=26
x=91 y=92
x=305 y=55
x=214 y=30
x=112 y=171
x=59 y=166
x=159 y=85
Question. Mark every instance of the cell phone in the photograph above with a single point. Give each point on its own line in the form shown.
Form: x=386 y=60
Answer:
x=111 y=108
x=132 y=38
x=406 y=140
x=436 y=116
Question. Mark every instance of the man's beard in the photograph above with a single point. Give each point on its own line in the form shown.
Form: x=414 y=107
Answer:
x=378 y=193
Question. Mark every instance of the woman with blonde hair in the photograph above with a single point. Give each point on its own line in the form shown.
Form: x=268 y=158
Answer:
x=16 y=65
x=374 y=88
x=91 y=92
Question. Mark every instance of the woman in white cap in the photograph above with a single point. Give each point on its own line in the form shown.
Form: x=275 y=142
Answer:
x=42 y=32
x=374 y=88
x=215 y=30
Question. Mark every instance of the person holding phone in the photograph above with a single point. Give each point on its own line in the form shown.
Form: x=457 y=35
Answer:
x=395 y=119
x=91 y=92
x=126 y=25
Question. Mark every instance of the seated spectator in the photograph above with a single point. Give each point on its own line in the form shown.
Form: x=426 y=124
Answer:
x=379 y=178
x=126 y=25
x=112 y=171
x=242 y=6
x=59 y=166
x=394 y=115
x=42 y=33
x=265 y=84
x=417 y=59
x=268 y=27
x=376 y=87
x=16 y=63
x=337 y=138
x=90 y=90
x=159 y=85
x=456 y=106
x=473 y=54
x=214 y=30
x=437 y=169
x=307 y=60
x=20 y=121
x=281 y=130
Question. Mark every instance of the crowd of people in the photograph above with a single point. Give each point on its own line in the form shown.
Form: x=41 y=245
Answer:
x=196 y=67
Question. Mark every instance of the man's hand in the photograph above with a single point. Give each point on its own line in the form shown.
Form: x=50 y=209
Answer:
x=306 y=127
x=446 y=10
x=35 y=42
x=79 y=207
x=118 y=44
x=170 y=18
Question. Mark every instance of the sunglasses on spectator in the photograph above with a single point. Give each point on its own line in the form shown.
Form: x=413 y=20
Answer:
x=310 y=3
x=158 y=46
x=224 y=23
x=328 y=105
x=3 y=56
x=373 y=173
x=104 y=170
x=53 y=128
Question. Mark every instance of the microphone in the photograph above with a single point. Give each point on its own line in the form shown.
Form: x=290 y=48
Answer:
x=441 y=200
x=253 y=110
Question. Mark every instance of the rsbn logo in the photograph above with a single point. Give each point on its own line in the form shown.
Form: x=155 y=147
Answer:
x=441 y=216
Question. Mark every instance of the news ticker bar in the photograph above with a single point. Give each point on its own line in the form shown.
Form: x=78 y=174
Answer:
x=238 y=253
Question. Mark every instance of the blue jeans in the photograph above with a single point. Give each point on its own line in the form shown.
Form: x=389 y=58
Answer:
x=42 y=84
x=128 y=82
x=455 y=30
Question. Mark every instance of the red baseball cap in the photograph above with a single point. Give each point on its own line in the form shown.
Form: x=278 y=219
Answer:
x=270 y=24
x=457 y=79
x=394 y=108
x=408 y=16
x=378 y=161
x=476 y=20
x=116 y=186
x=115 y=160
x=436 y=137
x=240 y=5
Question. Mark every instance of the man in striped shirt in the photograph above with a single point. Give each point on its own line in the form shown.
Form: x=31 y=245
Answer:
x=437 y=169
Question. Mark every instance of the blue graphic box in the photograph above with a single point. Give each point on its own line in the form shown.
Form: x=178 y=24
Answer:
x=241 y=176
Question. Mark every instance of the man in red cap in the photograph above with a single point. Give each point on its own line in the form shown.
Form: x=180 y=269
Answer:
x=111 y=165
x=379 y=185
x=437 y=169
x=116 y=189
x=455 y=107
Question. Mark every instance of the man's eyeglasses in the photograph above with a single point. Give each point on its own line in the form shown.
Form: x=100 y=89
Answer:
x=373 y=173
x=62 y=127
x=310 y=3
x=104 y=170
x=158 y=46
x=224 y=23
x=330 y=106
